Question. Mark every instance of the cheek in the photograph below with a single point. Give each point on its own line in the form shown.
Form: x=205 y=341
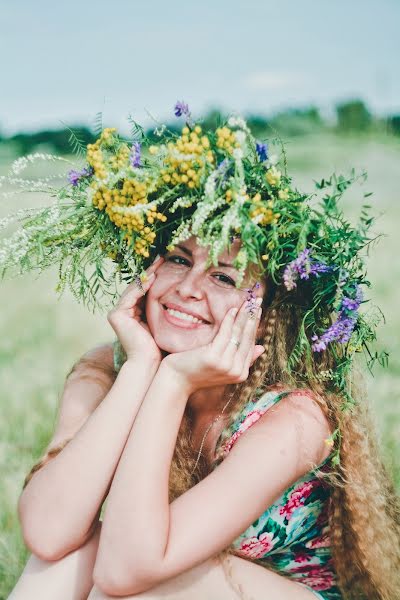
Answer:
x=223 y=304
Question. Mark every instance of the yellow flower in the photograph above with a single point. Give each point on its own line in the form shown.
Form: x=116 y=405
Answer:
x=273 y=176
x=153 y=149
x=284 y=194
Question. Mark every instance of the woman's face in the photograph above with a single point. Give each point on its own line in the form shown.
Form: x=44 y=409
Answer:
x=183 y=284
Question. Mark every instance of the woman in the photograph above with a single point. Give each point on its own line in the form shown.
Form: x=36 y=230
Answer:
x=206 y=440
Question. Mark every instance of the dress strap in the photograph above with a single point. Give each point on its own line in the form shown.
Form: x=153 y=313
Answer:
x=250 y=413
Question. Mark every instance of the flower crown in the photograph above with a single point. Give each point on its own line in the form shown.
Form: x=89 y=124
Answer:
x=134 y=199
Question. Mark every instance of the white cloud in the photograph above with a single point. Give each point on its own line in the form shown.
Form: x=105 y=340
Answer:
x=270 y=80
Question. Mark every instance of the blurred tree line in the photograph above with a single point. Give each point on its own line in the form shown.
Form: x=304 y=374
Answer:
x=352 y=116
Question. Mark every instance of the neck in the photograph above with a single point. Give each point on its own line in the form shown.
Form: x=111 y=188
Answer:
x=207 y=403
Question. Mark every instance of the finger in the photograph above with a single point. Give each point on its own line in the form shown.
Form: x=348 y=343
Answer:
x=245 y=320
x=255 y=354
x=221 y=339
x=134 y=291
x=153 y=267
x=249 y=332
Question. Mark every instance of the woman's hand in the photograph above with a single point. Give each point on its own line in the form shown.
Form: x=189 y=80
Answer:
x=221 y=361
x=126 y=319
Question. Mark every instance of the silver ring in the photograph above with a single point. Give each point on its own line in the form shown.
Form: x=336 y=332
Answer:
x=235 y=341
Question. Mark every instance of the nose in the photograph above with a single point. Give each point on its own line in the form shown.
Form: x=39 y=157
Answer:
x=192 y=284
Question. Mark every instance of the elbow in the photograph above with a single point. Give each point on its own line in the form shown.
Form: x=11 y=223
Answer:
x=46 y=541
x=46 y=547
x=115 y=582
x=43 y=550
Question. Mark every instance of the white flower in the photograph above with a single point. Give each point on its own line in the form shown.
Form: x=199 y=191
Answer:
x=272 y=161
x=238 y=122
x=21 y=163
x=240 y=137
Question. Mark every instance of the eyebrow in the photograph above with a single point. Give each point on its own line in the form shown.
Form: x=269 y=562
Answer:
x=190 y=253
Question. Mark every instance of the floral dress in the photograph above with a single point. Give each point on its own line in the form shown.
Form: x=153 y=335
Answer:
x=292 y=536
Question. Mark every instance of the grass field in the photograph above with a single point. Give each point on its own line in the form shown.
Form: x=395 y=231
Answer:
x=41 y=337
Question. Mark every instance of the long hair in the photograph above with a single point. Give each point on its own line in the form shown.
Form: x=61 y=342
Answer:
x=364 y=509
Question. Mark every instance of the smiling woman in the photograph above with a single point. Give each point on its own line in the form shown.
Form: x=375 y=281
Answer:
x=238 y=455
x=173 y=289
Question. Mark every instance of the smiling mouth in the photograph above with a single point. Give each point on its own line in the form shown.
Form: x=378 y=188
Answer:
x=184 y=316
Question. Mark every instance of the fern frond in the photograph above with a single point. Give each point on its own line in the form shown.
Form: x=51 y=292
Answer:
x=98 y=124
x=136 y=131
x=78 y=145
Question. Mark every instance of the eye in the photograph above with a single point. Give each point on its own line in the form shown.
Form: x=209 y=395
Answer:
x=174 y=256
x=228 y=280
x=224 y=279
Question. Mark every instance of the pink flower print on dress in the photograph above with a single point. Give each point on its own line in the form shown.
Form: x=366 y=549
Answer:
x=297 y=498
x=318 y=577
x=256 y=547
x=322 y=541
x=302 y=557
x=250 y=419
x=230 y=443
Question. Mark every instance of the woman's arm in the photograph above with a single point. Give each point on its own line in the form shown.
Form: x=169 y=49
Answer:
x=145 y=540
x=136 y=520
x=58 y=507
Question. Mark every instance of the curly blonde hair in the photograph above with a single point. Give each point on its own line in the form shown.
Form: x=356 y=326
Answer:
x=364 y=508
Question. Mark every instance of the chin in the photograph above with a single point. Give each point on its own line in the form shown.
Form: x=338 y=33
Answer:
x=177 y=343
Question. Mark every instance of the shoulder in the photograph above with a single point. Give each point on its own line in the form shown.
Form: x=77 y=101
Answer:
x=293 y=422
x=86 y=385
x=98 y=362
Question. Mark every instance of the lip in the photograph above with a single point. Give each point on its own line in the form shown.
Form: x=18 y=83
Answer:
x=180 y=322
x=187 y=312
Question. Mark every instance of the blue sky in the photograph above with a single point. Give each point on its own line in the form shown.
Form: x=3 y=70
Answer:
x=67 y=61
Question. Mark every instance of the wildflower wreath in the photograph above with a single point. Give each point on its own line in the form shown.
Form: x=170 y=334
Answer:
x=133 y=200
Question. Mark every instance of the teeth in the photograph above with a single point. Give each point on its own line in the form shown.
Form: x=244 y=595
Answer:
x=184 y=316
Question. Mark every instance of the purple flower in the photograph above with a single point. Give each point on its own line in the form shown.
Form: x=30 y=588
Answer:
x=251 y=305
x=135 y=154
x=181 y=108
x=262 y=151
x=340 y=331
x=352 y=304
x=75 y=176
x=302 y=267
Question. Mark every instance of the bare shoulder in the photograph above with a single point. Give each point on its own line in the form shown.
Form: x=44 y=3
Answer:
x=85 y=386
x=100 y=358
x=300 y=423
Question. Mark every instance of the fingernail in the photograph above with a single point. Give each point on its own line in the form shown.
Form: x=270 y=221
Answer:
x=156 y=258
x=259 y=301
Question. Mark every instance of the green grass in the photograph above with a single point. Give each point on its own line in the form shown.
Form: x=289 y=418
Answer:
x=41 y=337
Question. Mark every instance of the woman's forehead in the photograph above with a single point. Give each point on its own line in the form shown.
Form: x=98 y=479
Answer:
x=227 y=254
